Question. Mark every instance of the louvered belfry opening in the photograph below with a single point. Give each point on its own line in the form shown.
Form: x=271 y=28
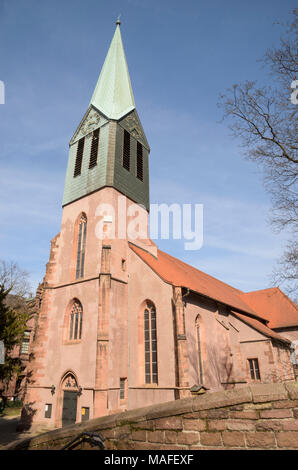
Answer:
x=79 y=157
x=140 y=161
x=126 y=150
x=94 y=149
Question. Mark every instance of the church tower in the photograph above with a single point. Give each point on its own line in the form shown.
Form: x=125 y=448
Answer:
x=120 y=324
x=80 y=352
x=109 y=148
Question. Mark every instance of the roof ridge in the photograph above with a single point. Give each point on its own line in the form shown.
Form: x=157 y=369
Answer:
x=242 y=306
x=281 y=309
x=262 y=290
x=199 y=270
x=288 y=298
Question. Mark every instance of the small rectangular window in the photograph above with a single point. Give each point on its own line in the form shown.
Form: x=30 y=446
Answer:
x=254 y=369
x=94 y=149
x=48 y=410
x=122 y=388
x=79 y=157
x=140 y=164
x=126 y=150
x=25 y=343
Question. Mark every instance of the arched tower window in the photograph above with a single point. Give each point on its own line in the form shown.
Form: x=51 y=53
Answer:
x=199 y=348
x=81 y=246
x=151 y=373
x=75 y=321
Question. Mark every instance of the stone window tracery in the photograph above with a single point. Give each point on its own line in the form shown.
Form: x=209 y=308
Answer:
x=76 y=321
x=81 y=247
x=151 y=372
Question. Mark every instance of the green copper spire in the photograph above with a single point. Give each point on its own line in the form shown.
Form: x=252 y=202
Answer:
x=98 y=157
x=113 y=94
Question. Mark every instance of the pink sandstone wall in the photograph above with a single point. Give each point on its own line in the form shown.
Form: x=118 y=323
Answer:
x=110 y=314
x=274 y=359
x=113 y=296
x=226 y=345
x=144 y=285
x=215 y=344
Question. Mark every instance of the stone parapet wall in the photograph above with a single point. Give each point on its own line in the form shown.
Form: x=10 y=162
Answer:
x=259 y=416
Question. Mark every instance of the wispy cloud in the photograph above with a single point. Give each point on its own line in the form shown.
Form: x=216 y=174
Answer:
x=175 y=67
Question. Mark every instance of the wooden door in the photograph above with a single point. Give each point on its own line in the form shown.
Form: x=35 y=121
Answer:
x=69 y=412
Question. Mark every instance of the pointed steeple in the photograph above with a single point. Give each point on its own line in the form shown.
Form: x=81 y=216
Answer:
x=113 y=94
x=109 y=147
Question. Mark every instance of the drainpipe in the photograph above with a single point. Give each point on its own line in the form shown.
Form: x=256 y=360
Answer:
x=128 y=343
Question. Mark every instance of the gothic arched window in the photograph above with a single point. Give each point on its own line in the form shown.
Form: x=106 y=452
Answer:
x=151 y=374
x=75 y=321
x=81 y=246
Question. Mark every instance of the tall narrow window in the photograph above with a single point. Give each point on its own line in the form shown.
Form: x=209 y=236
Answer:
x=94 y=149
x=81 y=247
x=79 y=157
x=151 y=375
x=200 y=367
x=254 y=369
x=140 y=161
x=122 y=388
x=75 y=321
x=126 y=150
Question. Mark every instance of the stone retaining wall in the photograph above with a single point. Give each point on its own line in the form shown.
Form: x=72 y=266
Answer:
x=260 y=416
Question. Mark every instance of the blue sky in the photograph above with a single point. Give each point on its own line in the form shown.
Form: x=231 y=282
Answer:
x=181 y=57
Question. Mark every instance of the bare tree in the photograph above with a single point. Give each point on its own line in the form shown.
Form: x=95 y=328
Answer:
x=14 y=279
x=265 y=120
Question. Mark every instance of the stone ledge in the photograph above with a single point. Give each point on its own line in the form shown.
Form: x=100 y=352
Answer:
x=292 y=388
x=222 y=399
x=268 y=392
x=254 y=393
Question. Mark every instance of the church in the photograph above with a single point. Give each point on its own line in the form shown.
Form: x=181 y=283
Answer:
x=120 y=323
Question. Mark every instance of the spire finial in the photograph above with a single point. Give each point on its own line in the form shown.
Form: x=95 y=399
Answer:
x=118 y=22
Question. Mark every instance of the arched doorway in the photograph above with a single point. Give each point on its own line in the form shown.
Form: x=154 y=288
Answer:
x=70 y=391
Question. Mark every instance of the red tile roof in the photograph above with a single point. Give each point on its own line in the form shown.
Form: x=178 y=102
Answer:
x=274 y=305
x=269 y=307
x=177 y=273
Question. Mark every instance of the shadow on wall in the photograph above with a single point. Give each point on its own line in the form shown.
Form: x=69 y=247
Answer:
x=284 y=372
x=221 y=367
x=217 y=367
x=28 y=412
